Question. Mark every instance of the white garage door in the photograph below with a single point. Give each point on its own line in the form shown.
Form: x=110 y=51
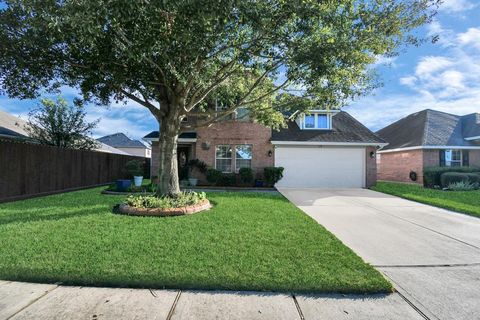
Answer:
x=321 y=167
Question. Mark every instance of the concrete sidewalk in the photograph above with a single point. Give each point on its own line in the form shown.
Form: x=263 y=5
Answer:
x=42 y=301
x=431 y=255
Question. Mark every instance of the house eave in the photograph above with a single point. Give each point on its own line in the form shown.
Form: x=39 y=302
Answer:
x=180 y=140
x=322 y=143
x=430 y=148
x=473 y=138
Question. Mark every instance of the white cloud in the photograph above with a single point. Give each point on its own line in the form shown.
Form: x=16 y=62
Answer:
x=457 y=5
x=408 y=81
x=431 y=64
x=470 y=38
x=448 y=81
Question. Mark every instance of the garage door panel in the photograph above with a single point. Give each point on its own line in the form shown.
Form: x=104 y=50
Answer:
x=321 y=167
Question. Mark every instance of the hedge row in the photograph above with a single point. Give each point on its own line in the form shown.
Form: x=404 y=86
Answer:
x=432 y=175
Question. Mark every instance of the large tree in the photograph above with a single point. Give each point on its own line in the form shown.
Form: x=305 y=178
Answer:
x=173 y=57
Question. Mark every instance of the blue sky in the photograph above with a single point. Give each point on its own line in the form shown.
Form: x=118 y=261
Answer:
x=443 y=76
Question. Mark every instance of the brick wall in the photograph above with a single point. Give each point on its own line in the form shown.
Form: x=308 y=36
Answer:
x=474 y=158
x=371 y=167
x=431 y=158
x=396 y=166
x=236 y=133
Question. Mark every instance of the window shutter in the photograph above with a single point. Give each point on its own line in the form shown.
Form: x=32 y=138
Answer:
x=465 y=158
x=442 y=158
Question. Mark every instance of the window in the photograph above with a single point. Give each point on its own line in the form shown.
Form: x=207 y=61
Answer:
x=310 y=121
x=223 y=158
x=316 y=121
x=453 y=158
x=243 y=156
x=220 y=107
x=242 y=114
x=322 y=121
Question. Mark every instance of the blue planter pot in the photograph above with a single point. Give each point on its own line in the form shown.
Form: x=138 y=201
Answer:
x=123 y=185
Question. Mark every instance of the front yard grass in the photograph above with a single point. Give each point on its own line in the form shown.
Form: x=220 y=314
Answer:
x=461 y=201
x=248 y=241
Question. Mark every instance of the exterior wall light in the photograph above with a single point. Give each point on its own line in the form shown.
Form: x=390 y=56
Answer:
x=270 y=153
x=372 y=154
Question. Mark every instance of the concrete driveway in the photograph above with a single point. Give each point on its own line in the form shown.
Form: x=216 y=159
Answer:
x=431 y=255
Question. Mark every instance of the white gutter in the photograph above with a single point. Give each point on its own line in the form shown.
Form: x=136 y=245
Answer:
x=430 y=148
x=473 y=138
x=320 y=143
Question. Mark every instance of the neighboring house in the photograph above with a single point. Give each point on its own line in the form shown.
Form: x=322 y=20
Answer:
x=428 y=138
x=321 y=149
x=121 y=142
x=12 y=127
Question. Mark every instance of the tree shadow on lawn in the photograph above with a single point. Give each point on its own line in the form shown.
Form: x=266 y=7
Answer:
x=52 y=213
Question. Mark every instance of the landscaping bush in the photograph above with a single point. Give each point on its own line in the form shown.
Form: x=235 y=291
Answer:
x=246 y=175
x=273 y=175
x=183 y=199
x=227 y=179
x=432 y=175
x=133 y=168
x=213 y=175
x=462 y=186
x=448 y=178
x=199 y=164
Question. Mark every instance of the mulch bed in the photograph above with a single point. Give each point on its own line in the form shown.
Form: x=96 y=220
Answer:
x=128 y=210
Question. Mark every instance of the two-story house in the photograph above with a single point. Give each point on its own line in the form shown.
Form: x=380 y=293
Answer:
x=324 y=148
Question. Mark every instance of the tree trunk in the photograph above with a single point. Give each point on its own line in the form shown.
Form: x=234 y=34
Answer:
x=168 y=183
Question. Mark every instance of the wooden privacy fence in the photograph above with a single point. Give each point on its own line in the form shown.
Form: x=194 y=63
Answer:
x=28 y=170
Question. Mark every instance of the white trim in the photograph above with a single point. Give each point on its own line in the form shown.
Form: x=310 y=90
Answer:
x=430 y=147
x=232 y=164
x=320 y=143
x=473 y=138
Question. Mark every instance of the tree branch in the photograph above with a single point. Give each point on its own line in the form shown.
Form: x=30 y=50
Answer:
x=158 y=113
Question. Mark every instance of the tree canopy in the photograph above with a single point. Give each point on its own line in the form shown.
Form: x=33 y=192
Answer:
x=172 y=57
x=56 y=123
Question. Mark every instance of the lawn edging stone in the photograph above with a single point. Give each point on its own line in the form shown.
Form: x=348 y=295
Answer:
x=169 y=212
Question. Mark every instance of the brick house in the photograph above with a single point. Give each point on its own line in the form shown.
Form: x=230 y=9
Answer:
x=425 y=139
x=320 y=149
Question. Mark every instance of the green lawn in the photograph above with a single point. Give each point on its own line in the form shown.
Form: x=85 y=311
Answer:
x=461 y=201
x=248 y=241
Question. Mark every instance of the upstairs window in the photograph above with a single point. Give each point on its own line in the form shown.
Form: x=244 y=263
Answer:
x=316 y=121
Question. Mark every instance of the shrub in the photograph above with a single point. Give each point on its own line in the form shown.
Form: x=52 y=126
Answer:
x=432 y=175
x=183 y=199
x=227 y=179
x=133 y=168
x=199 y=164
x=449 y=178
x=213 y=175
x=246 y=175
x=273 y=175
x=463 y=186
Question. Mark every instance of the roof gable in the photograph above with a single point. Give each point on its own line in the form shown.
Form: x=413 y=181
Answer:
x=345 y=129
x=427 y=128
x=119 y=140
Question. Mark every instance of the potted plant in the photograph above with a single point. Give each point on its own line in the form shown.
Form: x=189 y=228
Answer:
x=134 y=168
x=199 y=165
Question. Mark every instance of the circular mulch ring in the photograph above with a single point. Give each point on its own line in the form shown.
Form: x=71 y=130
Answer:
x=126 y=209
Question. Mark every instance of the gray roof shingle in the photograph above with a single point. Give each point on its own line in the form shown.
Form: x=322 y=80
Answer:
x=429 y=128
x=345 y=128
x=120 y=140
